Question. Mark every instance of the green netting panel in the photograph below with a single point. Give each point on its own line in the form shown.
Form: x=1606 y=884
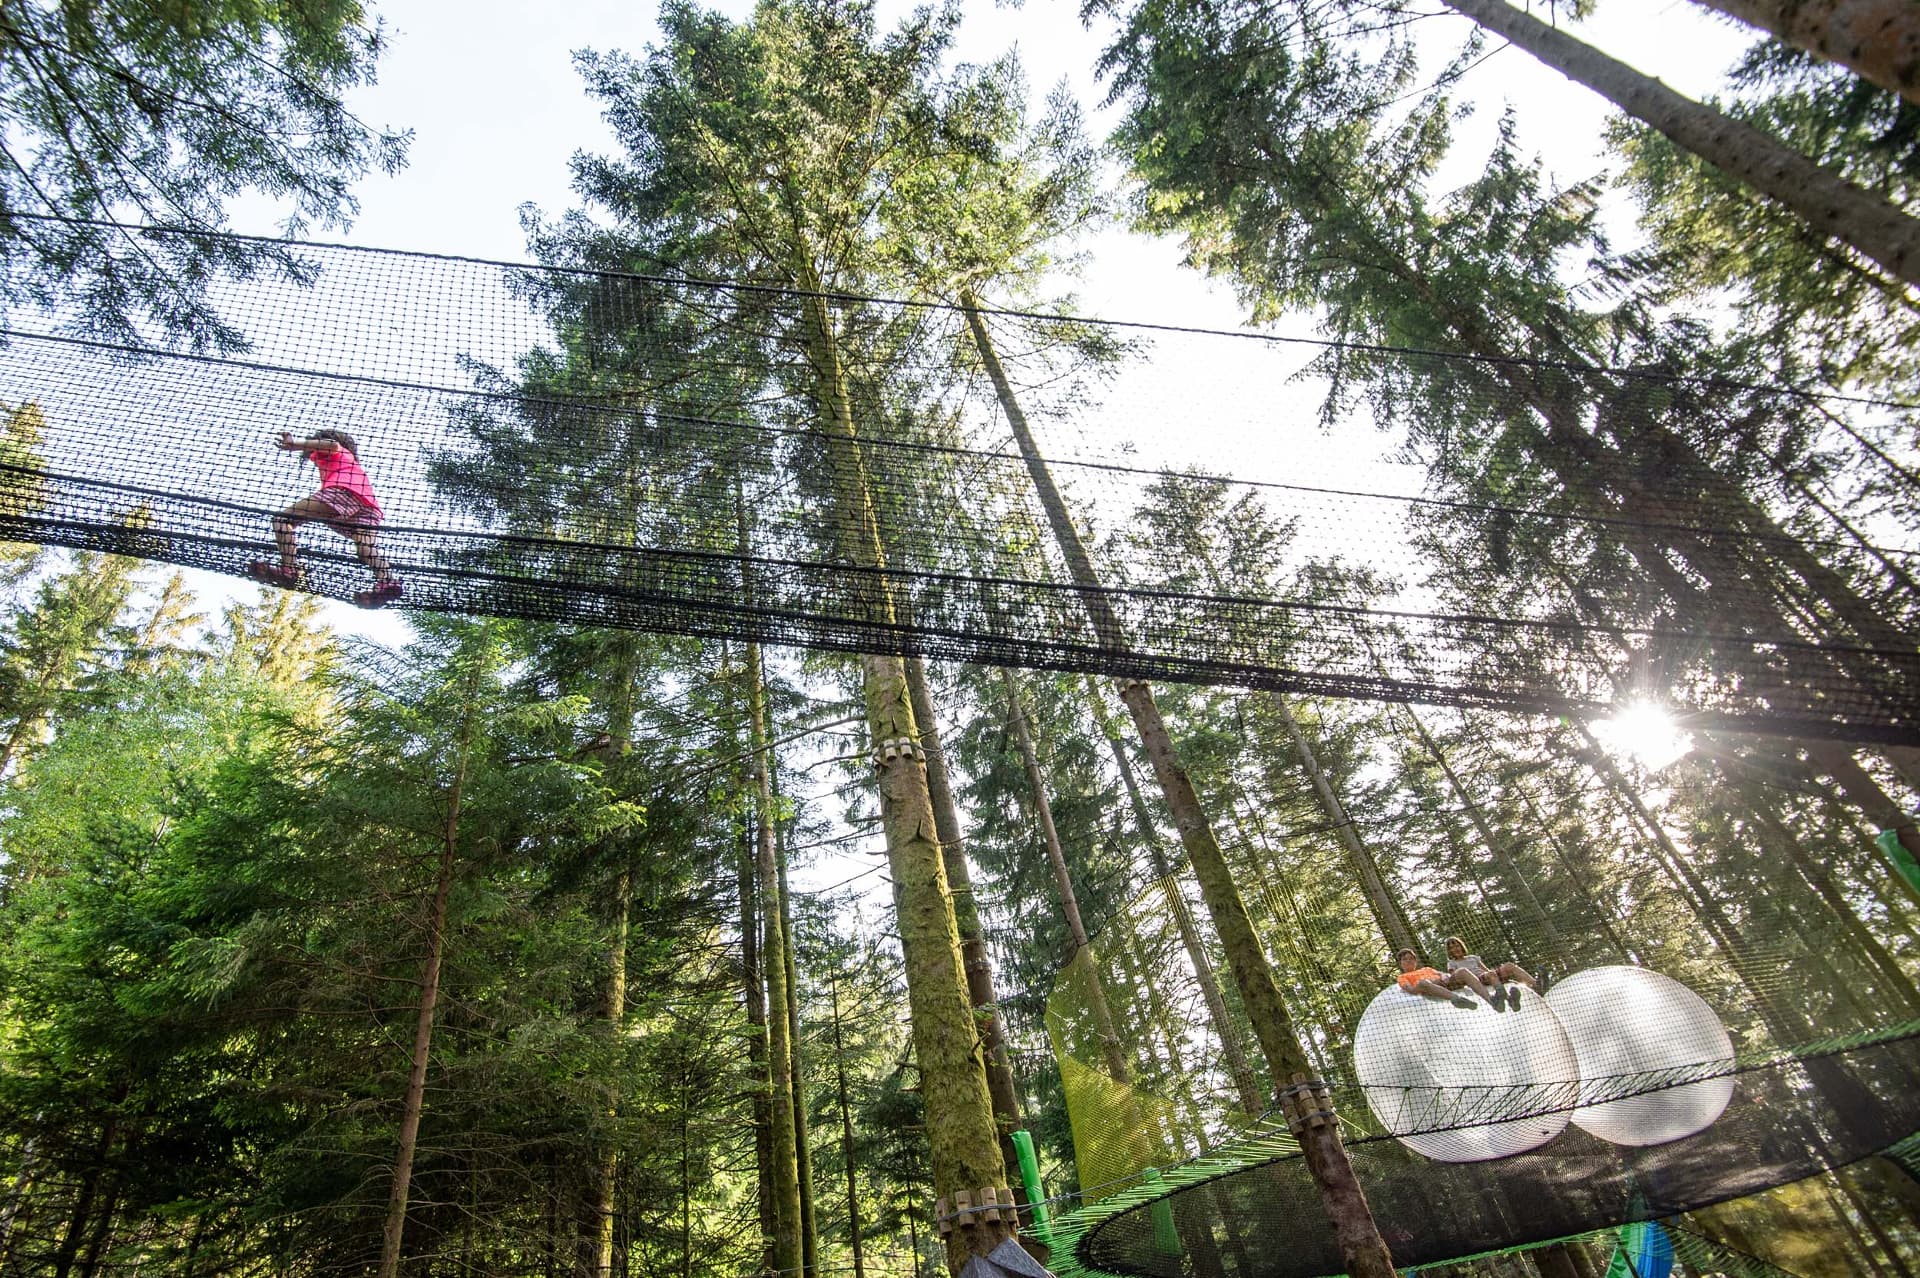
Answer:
x=1120 y=1128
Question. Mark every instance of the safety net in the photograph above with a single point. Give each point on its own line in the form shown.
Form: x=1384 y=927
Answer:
x=1631 y=1252
x=1680 y=1030
x=844 y=471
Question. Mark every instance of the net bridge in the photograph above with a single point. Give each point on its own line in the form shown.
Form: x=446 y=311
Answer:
x=1047 y=491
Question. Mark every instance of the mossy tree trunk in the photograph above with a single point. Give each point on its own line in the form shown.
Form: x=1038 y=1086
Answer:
x=961 y=1133
x=966 y=915
x=783 y=1181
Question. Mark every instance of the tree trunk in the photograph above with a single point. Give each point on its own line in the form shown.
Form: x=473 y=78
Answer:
x=82 y=1214
x=1642 y=506
x=614 y=1012
x=1877 y=40
x=1112 y=1050
x=1326 y=1158
x=1784 y=1021
x=1871 y=1219
x=788 y=1250
x=17 y=1196
x=1380 y=898
x=966 y=915
x=1495 y=847
x=598 y=1253
x=1899 y=987
x=960 y=1128
x=1241 y=1071
x=103 y=1229
x=755 y=988
x=686 y=1179
x=1602 y=916
x=1359 y=1238
x=1830 y=204
x=846 y=1136
x=973 y=942
x=802 y=1141
x=396 y=1222
x=772 y=844
x=961 y=1133
x=1043 y=813
x=1859 y=788
x=619 y=730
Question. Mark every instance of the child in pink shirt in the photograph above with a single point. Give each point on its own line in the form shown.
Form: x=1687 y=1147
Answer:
x=344 y=503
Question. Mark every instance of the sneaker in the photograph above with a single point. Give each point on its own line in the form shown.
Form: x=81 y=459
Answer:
x=272 y=574
x=382 y=594
x=1461 y=1000
x=1513 y=994
x=1499 y=998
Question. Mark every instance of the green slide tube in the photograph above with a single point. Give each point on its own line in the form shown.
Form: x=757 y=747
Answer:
x=1030 y=1181
x=1165 y=1236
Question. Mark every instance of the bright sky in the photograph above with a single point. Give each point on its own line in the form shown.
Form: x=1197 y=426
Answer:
x=497 y=111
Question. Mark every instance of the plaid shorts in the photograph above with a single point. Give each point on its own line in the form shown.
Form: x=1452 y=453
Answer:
x=349 y=509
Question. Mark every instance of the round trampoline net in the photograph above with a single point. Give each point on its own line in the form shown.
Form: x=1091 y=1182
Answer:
x=1672 y=1040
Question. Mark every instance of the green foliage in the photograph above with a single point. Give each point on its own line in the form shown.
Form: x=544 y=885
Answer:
x=161 y=113
x=22 y=491
x=55 y=648
x=1812 y=311
x=766 y=148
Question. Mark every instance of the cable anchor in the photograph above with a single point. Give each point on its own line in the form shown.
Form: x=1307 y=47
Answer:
x=1306 y=1103
x=889 y=749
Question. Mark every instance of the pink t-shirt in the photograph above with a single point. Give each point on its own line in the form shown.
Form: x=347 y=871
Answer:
x=341 y=469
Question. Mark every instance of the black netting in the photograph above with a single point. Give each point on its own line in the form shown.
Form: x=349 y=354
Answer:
x=1787 y=1121
x=655 y=453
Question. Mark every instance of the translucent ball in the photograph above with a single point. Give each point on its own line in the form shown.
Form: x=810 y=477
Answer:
x=1443 y=1078
x=1627 y=1023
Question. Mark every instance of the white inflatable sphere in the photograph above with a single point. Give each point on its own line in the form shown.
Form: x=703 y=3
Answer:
x=1430 y=1069
x=1627 y=1022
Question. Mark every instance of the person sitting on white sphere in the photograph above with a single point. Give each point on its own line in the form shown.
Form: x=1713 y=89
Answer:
x=1417 y=978
x=1505 y=979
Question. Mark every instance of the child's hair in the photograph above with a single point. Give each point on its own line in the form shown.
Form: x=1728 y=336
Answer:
x=339 y=437
x=1452 y=941
x=1404 y=953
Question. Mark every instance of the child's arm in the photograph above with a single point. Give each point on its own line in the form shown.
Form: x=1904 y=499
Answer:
x=292 y=445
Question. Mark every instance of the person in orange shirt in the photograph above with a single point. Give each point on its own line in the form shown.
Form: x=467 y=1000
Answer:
x=1417 y=978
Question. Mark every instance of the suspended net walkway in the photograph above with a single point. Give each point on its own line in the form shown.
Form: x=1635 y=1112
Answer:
x=1708 y=1031
x=667 y=454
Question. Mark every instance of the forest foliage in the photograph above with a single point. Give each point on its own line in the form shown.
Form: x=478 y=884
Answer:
x=480 y=954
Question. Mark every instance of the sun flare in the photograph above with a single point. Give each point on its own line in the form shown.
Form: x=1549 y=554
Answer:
x=1646 y=733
